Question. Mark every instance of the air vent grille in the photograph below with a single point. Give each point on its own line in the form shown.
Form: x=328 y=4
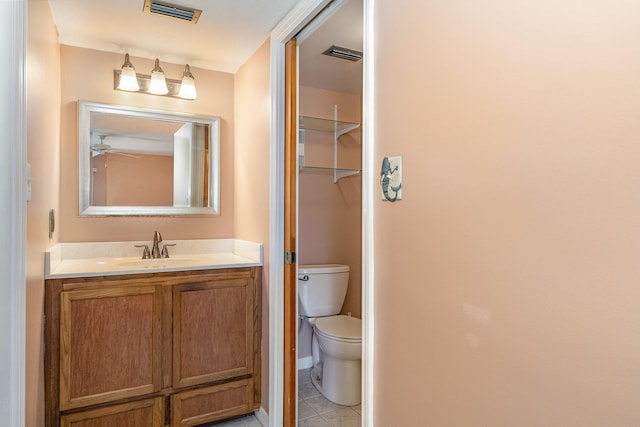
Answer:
x=171 y=11
x=343 y=53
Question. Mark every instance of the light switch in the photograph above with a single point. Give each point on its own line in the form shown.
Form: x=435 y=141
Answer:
x=52 y=222
x=391 y=178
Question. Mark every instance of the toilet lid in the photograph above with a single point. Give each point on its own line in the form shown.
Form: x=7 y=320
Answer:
x=342 y=327
x=322 y=268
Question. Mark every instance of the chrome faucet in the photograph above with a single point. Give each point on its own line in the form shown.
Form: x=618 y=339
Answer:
x=155 y=249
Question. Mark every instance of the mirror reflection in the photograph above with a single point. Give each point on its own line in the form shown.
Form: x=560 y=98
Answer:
x=145 y=162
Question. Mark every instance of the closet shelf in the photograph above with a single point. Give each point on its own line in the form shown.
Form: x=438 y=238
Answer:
x=336 y=129
x=337 y=172
x=327 y=125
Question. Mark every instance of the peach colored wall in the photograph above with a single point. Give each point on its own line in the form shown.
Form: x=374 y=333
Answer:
x=43 y=153
x=253 y=123
x=329 y=215
x=329 y=223
x=88 y=75
x=143 y=180
x=506 y=280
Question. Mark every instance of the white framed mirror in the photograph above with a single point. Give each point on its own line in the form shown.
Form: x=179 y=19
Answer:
x=141 y=162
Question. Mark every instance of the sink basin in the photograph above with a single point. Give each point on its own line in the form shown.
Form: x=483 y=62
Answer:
x=161 y=263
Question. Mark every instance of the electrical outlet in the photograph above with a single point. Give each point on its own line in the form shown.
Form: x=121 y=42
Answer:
x=391 y=178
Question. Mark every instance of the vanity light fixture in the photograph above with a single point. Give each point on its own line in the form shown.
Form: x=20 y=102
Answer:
x=127 y=79
x=188 y=85
x=158 y=84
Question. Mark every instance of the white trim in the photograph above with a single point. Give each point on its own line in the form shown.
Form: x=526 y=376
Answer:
x=13 y=219
x=291 y=24
x=320 y=19
x=276 y=239
x=305 y=362
x=369 y=182
x=302 y=14
x=262 y=416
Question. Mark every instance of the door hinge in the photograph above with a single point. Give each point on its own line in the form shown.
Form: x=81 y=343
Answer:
x=289 y=257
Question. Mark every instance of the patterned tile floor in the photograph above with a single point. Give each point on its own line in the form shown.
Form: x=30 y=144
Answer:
x=246 y=421
x=314 y=410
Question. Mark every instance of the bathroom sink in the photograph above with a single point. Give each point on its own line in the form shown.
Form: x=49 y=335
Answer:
x=161 y=263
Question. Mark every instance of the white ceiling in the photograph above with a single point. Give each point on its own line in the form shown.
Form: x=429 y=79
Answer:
x=343 y=29
x=226 y=35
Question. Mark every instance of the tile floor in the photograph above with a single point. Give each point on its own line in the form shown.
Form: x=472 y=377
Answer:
x=246 y=421
x=314 y=410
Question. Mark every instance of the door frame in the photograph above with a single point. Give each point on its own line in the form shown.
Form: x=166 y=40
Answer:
x=291 y=24
x=13 y=218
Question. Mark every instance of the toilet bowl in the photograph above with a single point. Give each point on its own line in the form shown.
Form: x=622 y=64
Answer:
x=337 y=339
x=337 y=369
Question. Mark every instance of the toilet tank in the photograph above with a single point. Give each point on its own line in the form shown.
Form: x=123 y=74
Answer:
x=322 y=289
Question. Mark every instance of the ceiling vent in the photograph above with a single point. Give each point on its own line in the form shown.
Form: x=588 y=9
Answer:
x=343 y=53
x=167 y=10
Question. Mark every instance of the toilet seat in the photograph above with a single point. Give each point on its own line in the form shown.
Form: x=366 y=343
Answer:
x=340 y=328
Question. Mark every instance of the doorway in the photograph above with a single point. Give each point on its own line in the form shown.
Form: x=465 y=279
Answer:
x=329 y=203
x=291 y=25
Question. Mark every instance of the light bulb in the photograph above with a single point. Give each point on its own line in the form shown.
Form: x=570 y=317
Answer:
x=158 y=85
x=188 y=85
x=128 y=77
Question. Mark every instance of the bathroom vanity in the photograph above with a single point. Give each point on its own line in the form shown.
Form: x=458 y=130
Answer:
x=133 y=342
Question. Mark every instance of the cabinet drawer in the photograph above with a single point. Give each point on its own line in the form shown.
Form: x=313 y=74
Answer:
x=145 y=413
x=193 y=407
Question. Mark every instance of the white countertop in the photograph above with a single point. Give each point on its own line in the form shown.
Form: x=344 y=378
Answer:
x=66 y=260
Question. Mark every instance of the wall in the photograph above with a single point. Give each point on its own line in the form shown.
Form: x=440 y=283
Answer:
x=251 y=221
x=506 y=280
x=88 y=75
x=330 y=215
x=140 y=180
x=43 y=153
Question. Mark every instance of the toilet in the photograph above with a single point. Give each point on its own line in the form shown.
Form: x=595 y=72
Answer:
x=336 y=345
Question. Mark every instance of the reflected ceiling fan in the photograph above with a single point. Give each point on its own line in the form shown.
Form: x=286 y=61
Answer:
x=102 y=148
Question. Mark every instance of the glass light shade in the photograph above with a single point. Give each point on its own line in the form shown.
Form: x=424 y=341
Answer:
x=188 y=85
x=188 y=88
x=158 y=84
x=128 y=77
x=128 y=80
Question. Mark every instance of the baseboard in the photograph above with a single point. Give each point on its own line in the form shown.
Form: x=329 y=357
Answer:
x=262 y=416
x=305 y=362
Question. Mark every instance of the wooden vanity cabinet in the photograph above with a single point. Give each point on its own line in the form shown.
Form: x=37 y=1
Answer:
x=152 y=350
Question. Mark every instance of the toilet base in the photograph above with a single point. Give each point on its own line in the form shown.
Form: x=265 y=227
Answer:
x=338 y=380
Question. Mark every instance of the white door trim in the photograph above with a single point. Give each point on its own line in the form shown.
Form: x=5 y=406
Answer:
x=369 y=190
x=299 y=16
x=13 y=215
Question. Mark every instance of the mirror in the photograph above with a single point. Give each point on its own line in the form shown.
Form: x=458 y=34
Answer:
x=141 y=162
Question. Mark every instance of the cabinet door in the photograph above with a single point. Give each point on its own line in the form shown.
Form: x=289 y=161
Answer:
x=110 y=342
x=145 y=413
x=213 y=330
